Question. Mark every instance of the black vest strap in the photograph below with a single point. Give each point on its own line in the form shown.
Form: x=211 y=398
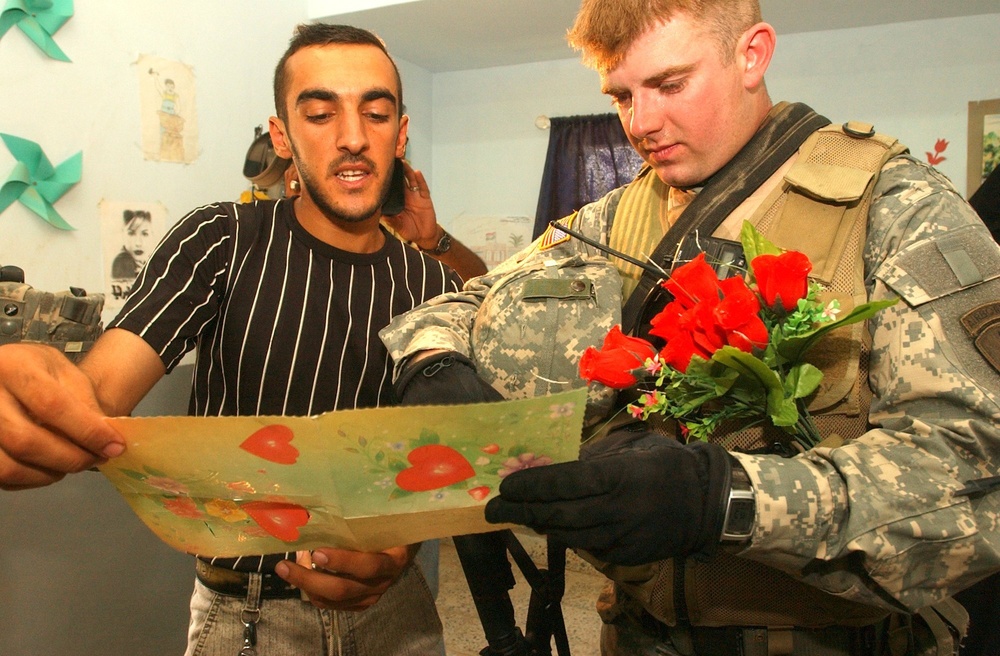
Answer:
x=770 y=147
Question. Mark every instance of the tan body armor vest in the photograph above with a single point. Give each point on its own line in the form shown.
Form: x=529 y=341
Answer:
x=817 y=204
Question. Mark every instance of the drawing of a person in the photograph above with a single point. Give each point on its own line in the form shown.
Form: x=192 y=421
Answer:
x=171 y=122
x=137 y=242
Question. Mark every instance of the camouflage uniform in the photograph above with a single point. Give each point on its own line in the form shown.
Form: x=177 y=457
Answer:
x=876 y=520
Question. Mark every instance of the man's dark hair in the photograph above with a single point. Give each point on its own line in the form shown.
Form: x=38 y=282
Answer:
x=324 y=34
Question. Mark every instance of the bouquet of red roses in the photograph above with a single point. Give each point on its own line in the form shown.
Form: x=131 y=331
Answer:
x=733 y=348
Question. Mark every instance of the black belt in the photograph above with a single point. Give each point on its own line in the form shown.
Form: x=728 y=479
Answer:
x=236 y=584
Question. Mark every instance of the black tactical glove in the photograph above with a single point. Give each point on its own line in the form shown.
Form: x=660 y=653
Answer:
x=646 y=499
x=442 y=378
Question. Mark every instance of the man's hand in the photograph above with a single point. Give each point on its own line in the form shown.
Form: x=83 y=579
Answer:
x=417 y=223
x=339 y=579
x=650 y=500
x=51 y=423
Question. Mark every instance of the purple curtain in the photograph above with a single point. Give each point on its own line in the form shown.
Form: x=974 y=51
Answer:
x=588 y=156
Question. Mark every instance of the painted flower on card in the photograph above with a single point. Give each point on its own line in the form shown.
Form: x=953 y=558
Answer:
x=523 y=461
x=182 y=507
x=561 y=410
x=167 y=485
x=225 y=509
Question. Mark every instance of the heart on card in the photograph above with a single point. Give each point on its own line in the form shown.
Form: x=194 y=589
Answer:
x=279 y=519
x=272 y=443
x=479 y=493
x=434 y=466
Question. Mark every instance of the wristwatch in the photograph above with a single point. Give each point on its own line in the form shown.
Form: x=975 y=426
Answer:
x=443 y=245
x=741 y=509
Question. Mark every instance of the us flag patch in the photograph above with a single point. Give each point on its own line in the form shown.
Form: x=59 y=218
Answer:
x=553 y=236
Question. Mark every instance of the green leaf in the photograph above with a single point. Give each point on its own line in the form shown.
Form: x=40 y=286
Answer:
x=155 y=472
x=755 y=244
x=399 y=493
x=427 y=436
x=783 y=412
x=397 y=466
x=755 y=372
x=802 y=380
x=793 y=348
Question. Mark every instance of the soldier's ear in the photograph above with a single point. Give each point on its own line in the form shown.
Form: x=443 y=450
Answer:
x=753 y=54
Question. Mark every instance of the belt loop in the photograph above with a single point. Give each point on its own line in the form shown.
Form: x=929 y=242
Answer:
x=251 y=608
x=779 y=641
x=754 y=641
x=250 y=614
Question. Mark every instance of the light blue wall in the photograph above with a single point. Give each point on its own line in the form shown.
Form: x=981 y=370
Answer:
x=92 y=104
x=913 y=80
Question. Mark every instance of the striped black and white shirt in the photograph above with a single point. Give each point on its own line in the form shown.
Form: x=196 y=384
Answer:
x=284 y=324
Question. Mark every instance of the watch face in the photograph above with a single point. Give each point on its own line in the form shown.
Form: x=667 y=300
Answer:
x=443 y=244
x=741 y=518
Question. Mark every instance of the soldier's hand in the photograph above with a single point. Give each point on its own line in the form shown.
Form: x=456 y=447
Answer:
x=646 y=502
x=441 y=378
x=339 y=579
x=50 y=421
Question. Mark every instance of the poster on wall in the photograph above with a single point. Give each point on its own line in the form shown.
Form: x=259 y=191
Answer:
x=167 y=105
x=129 y=231
x=493 y=238
x=984 y=142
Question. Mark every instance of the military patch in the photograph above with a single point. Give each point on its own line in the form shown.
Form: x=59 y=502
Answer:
x=553 y=236
x=983 y=325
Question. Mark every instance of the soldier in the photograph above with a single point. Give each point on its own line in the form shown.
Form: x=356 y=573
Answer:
x=853 y=547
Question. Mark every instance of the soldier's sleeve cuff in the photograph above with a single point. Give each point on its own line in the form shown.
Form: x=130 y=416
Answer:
x=429 y=339
x=795 y=504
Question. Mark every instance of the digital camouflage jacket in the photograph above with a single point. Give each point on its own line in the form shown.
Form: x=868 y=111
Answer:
x=877 y=520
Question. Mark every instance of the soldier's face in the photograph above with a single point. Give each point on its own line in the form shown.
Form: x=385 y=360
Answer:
x=343 y=129
x=684 y=109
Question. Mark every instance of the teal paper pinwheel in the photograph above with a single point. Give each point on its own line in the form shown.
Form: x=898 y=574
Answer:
x=39 y=20
x=35 y=183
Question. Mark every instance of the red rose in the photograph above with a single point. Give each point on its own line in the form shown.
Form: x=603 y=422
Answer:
x=679 y=351
x=782 y=279
x=693 y=282
x=738 y=316
x=614 y=364
x=669 y=321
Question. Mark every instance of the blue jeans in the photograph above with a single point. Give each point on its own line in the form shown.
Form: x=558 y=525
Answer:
x=404 y=622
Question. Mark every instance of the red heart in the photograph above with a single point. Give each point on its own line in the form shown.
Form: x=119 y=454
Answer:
x=434 y=466
x=479 y=493
x=282 y=520
x=272 y=443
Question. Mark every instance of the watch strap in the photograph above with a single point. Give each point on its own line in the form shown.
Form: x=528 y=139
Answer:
x=443 y=245
x=741 y=508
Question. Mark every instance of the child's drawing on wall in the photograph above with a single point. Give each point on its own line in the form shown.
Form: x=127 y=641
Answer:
x=169 y=125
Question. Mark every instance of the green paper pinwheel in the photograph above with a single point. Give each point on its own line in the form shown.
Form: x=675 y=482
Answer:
x=35 y=183
x=39 y=20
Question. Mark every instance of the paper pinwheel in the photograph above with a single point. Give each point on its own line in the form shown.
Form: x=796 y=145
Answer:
x=39 y=19
x=35 y=182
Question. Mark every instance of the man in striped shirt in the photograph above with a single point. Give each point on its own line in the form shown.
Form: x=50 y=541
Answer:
x=283 y=301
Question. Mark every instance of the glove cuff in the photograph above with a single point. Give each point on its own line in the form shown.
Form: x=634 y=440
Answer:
x=428 y=367
x=717 y=481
